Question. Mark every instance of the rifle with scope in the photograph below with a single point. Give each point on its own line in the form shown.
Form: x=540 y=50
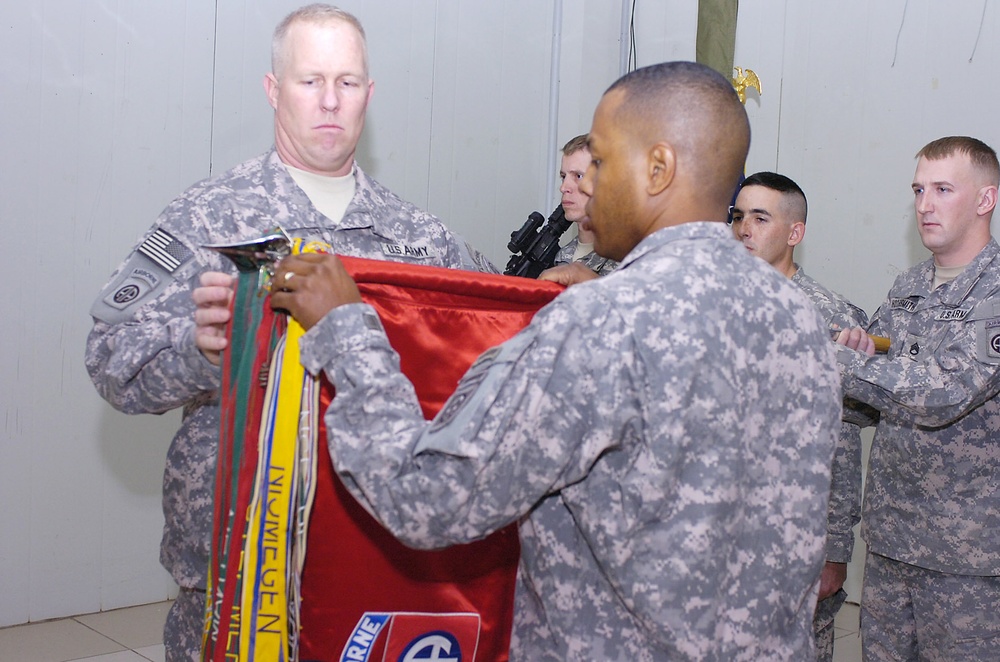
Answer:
x=535 y=245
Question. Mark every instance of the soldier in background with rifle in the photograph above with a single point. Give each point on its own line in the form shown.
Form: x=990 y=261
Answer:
x=537 y=250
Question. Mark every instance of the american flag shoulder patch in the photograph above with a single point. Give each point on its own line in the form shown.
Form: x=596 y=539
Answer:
x=165 y=250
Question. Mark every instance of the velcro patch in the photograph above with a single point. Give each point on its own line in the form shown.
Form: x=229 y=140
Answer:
x=913 y=346
x=136 y=286
x=414 y=252
x=163 y=248
x=486 y=357
x=152 y=266
x=953 y=314
x=372 y=321
x=466 y=388
x=479 y=386
x=988 y=341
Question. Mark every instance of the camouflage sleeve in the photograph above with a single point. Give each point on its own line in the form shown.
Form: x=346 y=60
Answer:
x=140 y=352
x=875 y=325
x=858 y=413
x=503 y=440
x=845 y=494
x=960 y=374
x=475 y=260
x=844 y=510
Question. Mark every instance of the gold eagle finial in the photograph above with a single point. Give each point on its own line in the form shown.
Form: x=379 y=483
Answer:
x=745 y=78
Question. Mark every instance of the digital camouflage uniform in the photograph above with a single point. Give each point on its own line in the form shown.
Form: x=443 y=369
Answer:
x=602 y=266
x=141 y=354
x=672 y=503
x=845 y=478
x=932 y=504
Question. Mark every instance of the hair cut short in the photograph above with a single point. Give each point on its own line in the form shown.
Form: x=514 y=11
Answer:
x=576 y=144
x=980 y=154
x=316 y=14
x=779 y=183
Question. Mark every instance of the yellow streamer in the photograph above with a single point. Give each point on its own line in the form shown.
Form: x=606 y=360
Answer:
x=272 y=557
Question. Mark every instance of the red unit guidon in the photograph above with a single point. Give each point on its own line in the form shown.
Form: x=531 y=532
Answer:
x=361 y=592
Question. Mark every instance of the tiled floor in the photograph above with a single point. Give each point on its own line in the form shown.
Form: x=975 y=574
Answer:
x=135 y=634
x=847 y=645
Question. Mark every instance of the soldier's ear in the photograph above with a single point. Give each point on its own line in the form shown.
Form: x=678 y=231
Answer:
x=987 y=200
x=796 y=233
x=662 y=166
x=271 y=90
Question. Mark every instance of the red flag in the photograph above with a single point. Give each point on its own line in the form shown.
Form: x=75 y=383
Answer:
x=439 y=320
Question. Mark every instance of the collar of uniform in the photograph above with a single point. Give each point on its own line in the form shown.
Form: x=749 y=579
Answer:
x=281 y=186
x=367 y=195
x=371 y=197
x=955 y=292
x=804 y=280
x=684 y=231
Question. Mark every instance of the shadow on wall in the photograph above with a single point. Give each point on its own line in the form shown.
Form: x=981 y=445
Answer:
x=915 y=248
x=365 y=153
x=134 y=448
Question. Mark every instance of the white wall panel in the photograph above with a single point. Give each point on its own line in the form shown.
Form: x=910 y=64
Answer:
x=488 y=123
x=241 y=119
x=858 y=88
x=105 y=117
x=18 y=74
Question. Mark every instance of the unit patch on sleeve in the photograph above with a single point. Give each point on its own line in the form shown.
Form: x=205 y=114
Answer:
x=481 y=373
x=988 y=341
x=466 y=388
x=148 y=271
x=137 y=285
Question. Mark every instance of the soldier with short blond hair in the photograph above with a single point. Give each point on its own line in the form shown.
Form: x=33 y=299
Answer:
x=146 y=354
x=931 y=514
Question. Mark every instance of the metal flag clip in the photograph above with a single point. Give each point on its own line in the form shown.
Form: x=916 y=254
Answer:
x=258 y=255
